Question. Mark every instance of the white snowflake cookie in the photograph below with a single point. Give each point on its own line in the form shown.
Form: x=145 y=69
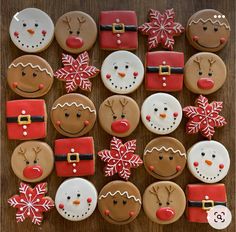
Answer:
x=122 y=72
x=208 y=161
x=161 y=113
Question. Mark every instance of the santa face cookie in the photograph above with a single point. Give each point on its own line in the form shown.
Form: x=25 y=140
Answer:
x=204 y=73
x=164 y=202
x=32 y=161
x=122 y=72
x=161 y=113
x=119 y=115
x=208 y=161
x=208 y=30
x=76 y=32
x=31 y=30
x=73 y=115
x=119 y=202
x=76 y=199
x=30 y=76
x=164 y=158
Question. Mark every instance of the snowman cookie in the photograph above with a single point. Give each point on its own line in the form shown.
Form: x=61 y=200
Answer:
x=164 y=158
x=31 y=30
x=73 y=115
x=119 y=115
x=32 y=161
x=119 y=202
x=76 y=199
x=122 y=72
x=161 y=113
x=208 y=161
x=30 y=76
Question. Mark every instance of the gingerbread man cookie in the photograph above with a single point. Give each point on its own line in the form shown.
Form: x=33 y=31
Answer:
x=76 y=32
x=119 y=115
x=30 y=76
x=119 y=202
x=204 y=73
x=164 y=158
x=164 y=202
x=31 y=30
x=73 y=115
x=122 y=72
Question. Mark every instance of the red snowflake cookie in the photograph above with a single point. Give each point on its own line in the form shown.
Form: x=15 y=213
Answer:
x=161 y=29
x=120 y=158
x=204 y=117
x=31 y=202
x=76 y=72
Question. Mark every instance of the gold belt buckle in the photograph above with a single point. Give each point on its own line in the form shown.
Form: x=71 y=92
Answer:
x=164 y=72
x=69 y=155
x=204 y=202
x=24 y=119
x=114 y=30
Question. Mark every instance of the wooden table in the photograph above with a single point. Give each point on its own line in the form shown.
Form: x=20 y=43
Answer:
x=184 y=9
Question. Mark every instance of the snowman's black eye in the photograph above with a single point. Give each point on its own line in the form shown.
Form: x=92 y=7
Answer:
x=155 y=109
x=68 y=198
x=165 y=109
x=24 y=25
x=36 y=25
x=213 y=156
x=116 y=67
x=78 y=195
x=202 y=153
x=126 y=66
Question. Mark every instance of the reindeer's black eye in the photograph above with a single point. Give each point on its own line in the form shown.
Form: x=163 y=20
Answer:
x=27 y=162
x=78 y=32
x=35 y=162
x=160 y=203
x=200 y=73
x=122 y=116
x=114 y=117
x=168 y=203
x=70 y=32
x=210 y=74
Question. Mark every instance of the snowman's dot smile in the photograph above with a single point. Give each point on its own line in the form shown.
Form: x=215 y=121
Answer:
x=159 y=128
x=123 y=87
x=73 y=215
x=207 y=177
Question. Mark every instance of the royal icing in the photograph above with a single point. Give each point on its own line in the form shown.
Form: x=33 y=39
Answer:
x=211 y=20
x=167 y=149
x=75 y=104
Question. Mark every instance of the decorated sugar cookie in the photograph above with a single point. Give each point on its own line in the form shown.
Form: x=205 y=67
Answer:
x=164 y=158
x=76 y=72
x=204 y=117
x=161 y=29
x=204 y=73
x=76 y=32
x=119 y=115
x=31 y=30
x=122 y=72
x=30 y=76
x=76 y=199
x=31 y=203
x=73 y=115
x=208 y=30
x=161 y=113
x=208 y=161
x=164 y=202
x=120 y=158
x=119 y=202
x=32 y=161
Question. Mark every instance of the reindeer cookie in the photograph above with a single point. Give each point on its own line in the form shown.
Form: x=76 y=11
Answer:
x=76 y=32
x=204 y=73
x=119 y=115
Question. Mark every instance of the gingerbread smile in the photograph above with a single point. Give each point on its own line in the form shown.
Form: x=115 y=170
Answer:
x=26 y=91
x=207 y=46
x=115 y=220
x=72 y=133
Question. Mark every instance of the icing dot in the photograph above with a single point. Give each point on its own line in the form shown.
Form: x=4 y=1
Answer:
x=215 y=16
x=38 y=200
x=164 y=84
x=89 y=200
x=204 y=122
x=74 y=164
x=71 y=69
x=223 y=16
x=119 y=164
x=30 y=195
x=117 y=155
x=108 y=76
x=118 y=35
x=155 y=23
x=36 y=210
x=135 y=74
x=195 y=164
x=163 y=78
x=81 y=74
x=221 y=166
x=162 y=36
x=164 y=62
x=74 y=170
x=219 y=16
x=118 y=41
x=24 y=133
x=24 y=127
x=21 y=200
x=125 y=156
x=117 y=20
x=28 y=213
x=21 y=209
x=210 y=120
x=23 y=112
x=206 y=197
x=200 y=117
x=80 y=69
x=72 y=150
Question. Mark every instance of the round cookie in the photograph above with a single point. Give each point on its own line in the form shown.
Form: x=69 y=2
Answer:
x=73 y=115
x=161 y=113
x=76 y=199
x=204 y=73
x=164 y=202
x=119 y=115
x=30 y=76
x=122 y=72
x=76 y=32
x=32 y=161
x=208 y=30
x=208 y=161
x=31 y=30
x=119 y=202
x=164 y=158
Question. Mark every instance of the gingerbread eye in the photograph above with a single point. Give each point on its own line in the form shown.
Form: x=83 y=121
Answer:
x=160 y=157
x=23 y=73
x=70 y=32
x=24 y=25
x=203 y=154
x=213 y=156
x=67 y=115
x=170 y=158
x=78 y=115
x=215 y=29
x=34 y=75
x=116 y=67
x=124 y=202
x=122 y=116
x=68 y=198
x=114 y=202
x=210 y=74
x=200 y=73
x=36 y=25
x=204 y=28
x=155 y=109
x=78 y=32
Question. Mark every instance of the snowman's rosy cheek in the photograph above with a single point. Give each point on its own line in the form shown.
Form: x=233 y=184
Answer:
x=16 y=34
x=135 y=74
x=44 y=32
x=221 y=166
x=61 y=206
x=89 y=200
x=175 y=114
x=148 y=117
x=108 y=76
x=195 y=164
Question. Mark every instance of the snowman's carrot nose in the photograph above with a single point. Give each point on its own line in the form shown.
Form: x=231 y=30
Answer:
x=208 y=162
x=31 y=31
x=76 y=202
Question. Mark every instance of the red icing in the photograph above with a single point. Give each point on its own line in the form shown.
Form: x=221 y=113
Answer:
x=148 y=117
x=16 y=33
x=178 y=168
x=120 y=126
x=135 y=74
x=131 y=213
x=33 y=171
x=108 y=76
x=175 y=114
x=58 y=123
x=195 y=164
x=205 y=83
x=221 y=166
x=89 y=200
x=15 y=84
x=222 y=40
x=86 y=122
x=44 y=32
x=61 y=206
x=151 y=168
x=165 y=213
x=41 y=86
x=74 y=42
x=107 y=212
x=195 y=38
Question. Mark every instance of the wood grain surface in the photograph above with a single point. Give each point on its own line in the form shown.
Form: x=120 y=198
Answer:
x=226 y=135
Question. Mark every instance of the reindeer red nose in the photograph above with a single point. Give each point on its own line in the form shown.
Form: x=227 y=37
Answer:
x=74 y=42
x=205 y=83
x=165 y=213
x=33 y=171
x=120 y=126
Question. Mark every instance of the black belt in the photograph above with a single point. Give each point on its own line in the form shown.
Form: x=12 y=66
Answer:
x=73 y=157
x=205 y=204
x=118 y=28
x=165 y=70
x=25 y=119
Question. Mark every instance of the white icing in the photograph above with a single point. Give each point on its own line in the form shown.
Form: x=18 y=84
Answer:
x=117 y=84
x=122 y=194
x=165 y=149
x=72 y=187
x=204 y=172
x=207 y=20
x=76 y=104
x=158 y=124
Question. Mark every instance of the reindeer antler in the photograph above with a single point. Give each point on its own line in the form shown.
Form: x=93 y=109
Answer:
x=198 y=61
x=169 y=189
x=110 y=105
x=22 y=151
x=154 y=191
x=36 y=150
x=67 y=20
x=211 y=61
x=81 y=20
x=123 y=103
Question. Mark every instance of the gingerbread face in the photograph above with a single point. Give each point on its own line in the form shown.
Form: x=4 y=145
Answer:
x=73 y=115
x=76 y=31
x=122 y=72
x=208 y=30
x=119 y=202
x=32 y=161
x=119 y=115
x=30 y=76
x=164 y=202
x=204 y=73
x=164 y=158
